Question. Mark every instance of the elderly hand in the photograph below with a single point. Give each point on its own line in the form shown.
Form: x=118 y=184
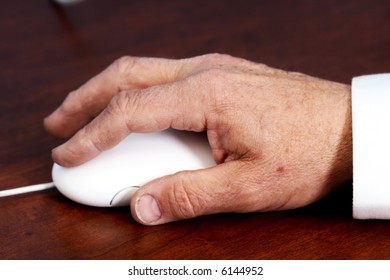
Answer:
x=282 y=140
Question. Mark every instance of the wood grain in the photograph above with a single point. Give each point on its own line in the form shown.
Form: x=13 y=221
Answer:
x=46 y=51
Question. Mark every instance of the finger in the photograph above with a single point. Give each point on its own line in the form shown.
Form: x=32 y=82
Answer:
x=127 y=73
x=224 y=188
x=181 y=105
x=151 y=109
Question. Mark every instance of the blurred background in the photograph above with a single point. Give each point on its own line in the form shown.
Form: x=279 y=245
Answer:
x=47 y=50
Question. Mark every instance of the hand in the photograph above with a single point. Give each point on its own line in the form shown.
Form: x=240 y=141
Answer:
x=282 y=140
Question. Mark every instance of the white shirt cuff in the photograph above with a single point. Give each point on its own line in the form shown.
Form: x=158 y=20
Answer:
x=371 y=146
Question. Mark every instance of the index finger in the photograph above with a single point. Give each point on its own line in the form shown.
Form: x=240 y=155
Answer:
x=152 y=109
x=129 y=73
x=126 y=73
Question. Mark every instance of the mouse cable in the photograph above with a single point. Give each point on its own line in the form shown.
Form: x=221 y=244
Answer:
x=27 y=189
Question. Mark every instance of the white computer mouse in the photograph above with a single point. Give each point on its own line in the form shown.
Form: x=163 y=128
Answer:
x=111 y=178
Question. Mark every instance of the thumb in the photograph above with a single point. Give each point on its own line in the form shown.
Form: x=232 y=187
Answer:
x=189 y=194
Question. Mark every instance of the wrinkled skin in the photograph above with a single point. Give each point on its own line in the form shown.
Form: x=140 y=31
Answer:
x=282 y=140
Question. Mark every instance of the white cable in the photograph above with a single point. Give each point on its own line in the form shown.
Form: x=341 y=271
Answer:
x=27 y=189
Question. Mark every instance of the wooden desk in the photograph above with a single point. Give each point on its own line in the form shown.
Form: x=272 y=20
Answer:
x=45 y=52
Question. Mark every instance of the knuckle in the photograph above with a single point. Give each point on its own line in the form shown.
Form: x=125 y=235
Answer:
x=123 y=66
x=127 y=108
x=71 y=103
x=124 y=63
x=183 y=203
x=119 y=104
x=211 y=61
x=119 y=108
x=215 y=92
x=91 y=141
x=218 y=58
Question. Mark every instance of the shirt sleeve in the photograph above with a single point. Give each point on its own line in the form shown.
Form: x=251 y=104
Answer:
x=371 y=146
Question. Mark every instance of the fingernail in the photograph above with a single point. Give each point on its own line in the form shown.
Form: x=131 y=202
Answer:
x=147 y=209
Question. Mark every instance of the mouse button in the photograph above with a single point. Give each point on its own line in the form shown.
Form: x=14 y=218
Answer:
x=122 y=197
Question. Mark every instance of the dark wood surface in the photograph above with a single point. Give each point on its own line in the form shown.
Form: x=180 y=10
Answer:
x=46 y=51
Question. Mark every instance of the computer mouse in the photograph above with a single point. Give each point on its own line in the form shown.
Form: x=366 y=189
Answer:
x=111 y=178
